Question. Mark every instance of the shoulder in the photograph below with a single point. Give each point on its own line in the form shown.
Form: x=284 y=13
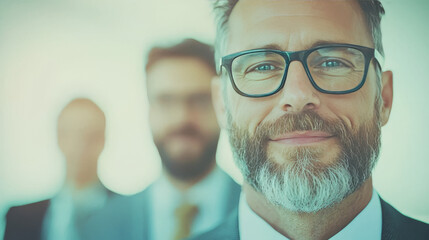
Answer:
x=25 y=222
x=234 y=187
x=398 y=226
x=122 y=206
x=232 y=192
x=123 y=217
x=123 y=202
x=228 y=230
x=32 y=209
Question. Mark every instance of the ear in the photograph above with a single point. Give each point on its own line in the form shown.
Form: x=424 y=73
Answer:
x=386 y=96
x=218 y=101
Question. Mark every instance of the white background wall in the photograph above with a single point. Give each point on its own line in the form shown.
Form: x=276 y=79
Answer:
x=52 y=51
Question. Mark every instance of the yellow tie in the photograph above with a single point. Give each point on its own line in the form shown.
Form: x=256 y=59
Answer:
x=185 y=215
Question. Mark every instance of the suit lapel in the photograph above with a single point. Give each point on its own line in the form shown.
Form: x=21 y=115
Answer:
x=232 y=231
x=228 y=230
x=139 y=215
x=398 y=226
x=390 y=221
x=146 y=213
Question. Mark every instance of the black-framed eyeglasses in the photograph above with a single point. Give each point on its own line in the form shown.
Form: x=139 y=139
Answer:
x=332 y=69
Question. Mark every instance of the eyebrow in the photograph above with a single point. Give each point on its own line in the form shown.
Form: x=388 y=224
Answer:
x=272 y=46
x=315 y=44
x=326 y=42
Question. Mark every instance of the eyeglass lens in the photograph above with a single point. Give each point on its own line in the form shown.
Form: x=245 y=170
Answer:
x=331 y=68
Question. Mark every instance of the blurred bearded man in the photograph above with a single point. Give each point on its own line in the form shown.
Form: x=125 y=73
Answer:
x=303 y=96
x=193 y=195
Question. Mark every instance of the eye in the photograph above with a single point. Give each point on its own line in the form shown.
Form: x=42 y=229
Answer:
x=333 y=63
x=165 y=100
x=263 y=68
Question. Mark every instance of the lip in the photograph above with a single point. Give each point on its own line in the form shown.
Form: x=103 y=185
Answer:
x=183 y=137
x=304 y=137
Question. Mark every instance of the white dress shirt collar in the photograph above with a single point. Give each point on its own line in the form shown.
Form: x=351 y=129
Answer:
x=366 y=225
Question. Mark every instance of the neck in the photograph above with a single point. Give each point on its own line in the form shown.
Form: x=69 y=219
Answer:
x=82 y=184
x=185 y=184
x=318 y=225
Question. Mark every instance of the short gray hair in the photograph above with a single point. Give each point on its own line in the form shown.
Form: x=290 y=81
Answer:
x=372 y=9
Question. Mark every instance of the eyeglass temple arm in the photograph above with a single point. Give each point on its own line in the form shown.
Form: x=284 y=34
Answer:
x=219 y=67
x=379 y=58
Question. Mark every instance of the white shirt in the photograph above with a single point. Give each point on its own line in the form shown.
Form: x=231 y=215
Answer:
x=366 y=225
x=209 y=195
x=59 y=222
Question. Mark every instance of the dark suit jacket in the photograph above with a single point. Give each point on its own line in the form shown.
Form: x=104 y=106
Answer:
x=129 y=217
x=395 y=226
x=26 y=222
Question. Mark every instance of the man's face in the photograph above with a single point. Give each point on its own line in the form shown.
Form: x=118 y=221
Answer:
x=182 y=117
x=309 y=140
x=81 y=128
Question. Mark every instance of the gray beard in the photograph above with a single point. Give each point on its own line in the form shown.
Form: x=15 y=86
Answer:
x=303 y=183
x=299 y=188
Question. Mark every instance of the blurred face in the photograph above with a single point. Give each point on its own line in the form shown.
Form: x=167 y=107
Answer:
x=81 y=128
x=304 y=150
x=182 y=118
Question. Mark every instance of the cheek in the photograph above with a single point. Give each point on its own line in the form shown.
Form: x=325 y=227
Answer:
x=355 y=108
x=210 y=123
x=96 y=148
x=249 y=113
x=206 y=123
x=156 y=123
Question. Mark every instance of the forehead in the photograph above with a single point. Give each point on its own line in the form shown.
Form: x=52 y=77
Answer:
x=295 y=24
x=81 y=117
x=179 y=76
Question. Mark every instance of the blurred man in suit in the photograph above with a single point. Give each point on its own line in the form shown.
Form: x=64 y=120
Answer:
x=193 y=194
x=303 y=96
x=81 y=130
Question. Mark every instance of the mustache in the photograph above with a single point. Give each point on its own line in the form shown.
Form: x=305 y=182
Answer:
x=306 y=120
x=188 y=131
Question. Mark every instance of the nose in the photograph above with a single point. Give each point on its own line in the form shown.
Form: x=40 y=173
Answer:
x=298 y=93
x=183 y=115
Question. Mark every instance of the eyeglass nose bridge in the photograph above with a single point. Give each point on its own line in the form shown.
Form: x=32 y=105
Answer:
x=300 y=56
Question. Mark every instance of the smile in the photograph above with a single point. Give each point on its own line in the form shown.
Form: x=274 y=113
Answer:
x=300 y=138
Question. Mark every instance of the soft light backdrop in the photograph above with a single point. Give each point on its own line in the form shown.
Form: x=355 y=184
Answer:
x=52 y=51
